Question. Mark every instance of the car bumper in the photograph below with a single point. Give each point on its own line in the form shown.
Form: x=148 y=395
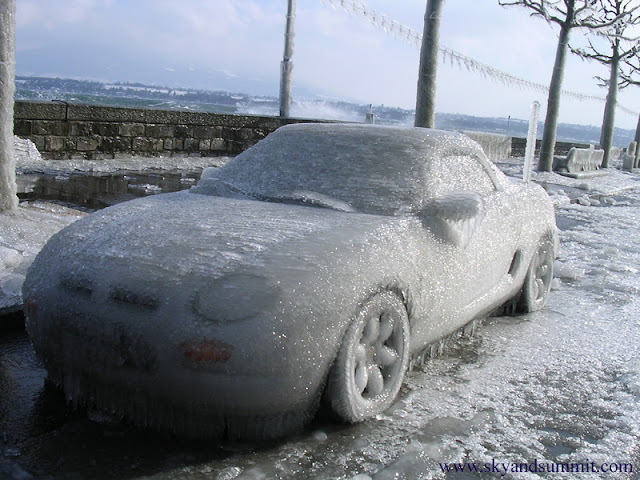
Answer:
x=129 y=360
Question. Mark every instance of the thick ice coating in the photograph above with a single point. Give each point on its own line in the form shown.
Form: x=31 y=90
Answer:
x=372 y=169
x=323 y=257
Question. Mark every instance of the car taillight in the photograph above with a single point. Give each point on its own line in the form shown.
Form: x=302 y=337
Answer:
x=206 y=351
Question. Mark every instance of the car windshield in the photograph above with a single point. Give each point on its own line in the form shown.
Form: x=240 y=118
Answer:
x=370 y=169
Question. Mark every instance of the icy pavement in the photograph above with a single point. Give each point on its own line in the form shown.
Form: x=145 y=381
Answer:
x=132 y=163
x=561 y=385
x=22 y=234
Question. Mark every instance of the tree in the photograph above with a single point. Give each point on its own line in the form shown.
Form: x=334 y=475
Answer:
x=621 y=14
x=630 y=75
x=426 y=96
x=8 y=189
x=567 y=14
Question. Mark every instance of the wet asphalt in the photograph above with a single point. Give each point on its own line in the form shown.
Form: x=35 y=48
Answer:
x=42 y=437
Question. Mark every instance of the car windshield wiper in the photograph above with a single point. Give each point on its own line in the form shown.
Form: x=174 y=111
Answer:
x=296 y=197
x=309 y=198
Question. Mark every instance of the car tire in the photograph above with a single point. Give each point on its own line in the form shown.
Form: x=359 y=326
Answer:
x=373 y=358
x=537 y=283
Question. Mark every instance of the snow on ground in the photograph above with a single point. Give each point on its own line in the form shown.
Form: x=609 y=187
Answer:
x=22 y=234
x=28 y=160
x=132 y=164
x=560 y=385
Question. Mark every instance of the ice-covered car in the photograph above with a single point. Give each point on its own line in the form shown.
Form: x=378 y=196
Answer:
x=311 y=266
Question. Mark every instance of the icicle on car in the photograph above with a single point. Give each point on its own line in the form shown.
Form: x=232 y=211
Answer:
x=314 y=263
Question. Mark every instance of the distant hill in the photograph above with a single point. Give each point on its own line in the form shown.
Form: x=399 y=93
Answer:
x=149 y=96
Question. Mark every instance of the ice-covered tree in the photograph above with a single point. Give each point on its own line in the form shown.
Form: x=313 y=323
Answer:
x=618 y=47
x=8 y=198
x=426 y=95
x=630 y=75
x=567 y=14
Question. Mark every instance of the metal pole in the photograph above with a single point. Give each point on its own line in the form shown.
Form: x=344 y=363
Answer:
x=426 y=96
x=530 y=150
x=8 y=188
x=287 y=65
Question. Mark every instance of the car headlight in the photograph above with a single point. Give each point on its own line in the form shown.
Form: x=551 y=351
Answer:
x=235 y=297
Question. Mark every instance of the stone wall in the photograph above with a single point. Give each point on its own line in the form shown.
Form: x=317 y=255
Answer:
x=495 y=146
x=518 y=146
x=61 y=130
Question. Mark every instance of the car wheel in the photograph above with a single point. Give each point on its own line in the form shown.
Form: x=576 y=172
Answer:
x=537 y=283
x=370 y=366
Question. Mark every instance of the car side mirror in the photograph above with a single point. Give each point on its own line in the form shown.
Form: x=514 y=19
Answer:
x=454 y=217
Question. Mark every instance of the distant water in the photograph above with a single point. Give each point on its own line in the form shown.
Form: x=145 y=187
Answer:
x=146 y=96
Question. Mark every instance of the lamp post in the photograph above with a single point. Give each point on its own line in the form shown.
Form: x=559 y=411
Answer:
x=287 y=65
x=8 y=197
x=426 y=96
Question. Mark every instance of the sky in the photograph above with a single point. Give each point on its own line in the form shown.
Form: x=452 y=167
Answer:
x=237 y=45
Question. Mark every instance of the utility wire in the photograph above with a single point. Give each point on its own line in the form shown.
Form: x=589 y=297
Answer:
x=402 y=32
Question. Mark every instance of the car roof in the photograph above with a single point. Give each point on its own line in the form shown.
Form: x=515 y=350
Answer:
x=377 y=169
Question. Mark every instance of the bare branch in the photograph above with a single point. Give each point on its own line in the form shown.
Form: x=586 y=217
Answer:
x=630 y=71
x=540 y=8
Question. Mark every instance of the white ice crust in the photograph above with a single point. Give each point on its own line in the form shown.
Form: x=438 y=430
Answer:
x=22 y=235
x=198 y=310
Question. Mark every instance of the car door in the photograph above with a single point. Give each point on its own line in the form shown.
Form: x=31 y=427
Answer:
x=483 y=229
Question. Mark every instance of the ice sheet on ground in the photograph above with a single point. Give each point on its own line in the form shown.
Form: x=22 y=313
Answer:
x=563 y=189
x=29 y=160
x=23 y=233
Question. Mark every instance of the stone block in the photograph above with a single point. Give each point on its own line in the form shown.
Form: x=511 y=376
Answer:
x=168 y=144
x=80 y=129
x=159 y=131
x=178 y=144
x=131 y=130
x=141 y=144
x=218 y=145
x=87 y=144
x=205 y=145
x=191 y=145
x=22 y=128
x=122 y=144
x=106 y=129
x=54 y=144
x=38 y=141
x=46 y=127
x=184 y=131
x=156 y=144
x=207 y=132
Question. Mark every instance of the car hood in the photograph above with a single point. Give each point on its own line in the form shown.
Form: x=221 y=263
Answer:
x=185 y=234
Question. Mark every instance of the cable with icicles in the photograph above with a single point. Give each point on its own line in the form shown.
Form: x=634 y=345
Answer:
x=400 y=31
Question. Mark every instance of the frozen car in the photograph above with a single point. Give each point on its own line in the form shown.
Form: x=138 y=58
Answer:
x=312 y=266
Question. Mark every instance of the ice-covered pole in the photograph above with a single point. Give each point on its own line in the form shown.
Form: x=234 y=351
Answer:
x=8 y=189
x=287 y=65
x=530 y=149
x=427 y=73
